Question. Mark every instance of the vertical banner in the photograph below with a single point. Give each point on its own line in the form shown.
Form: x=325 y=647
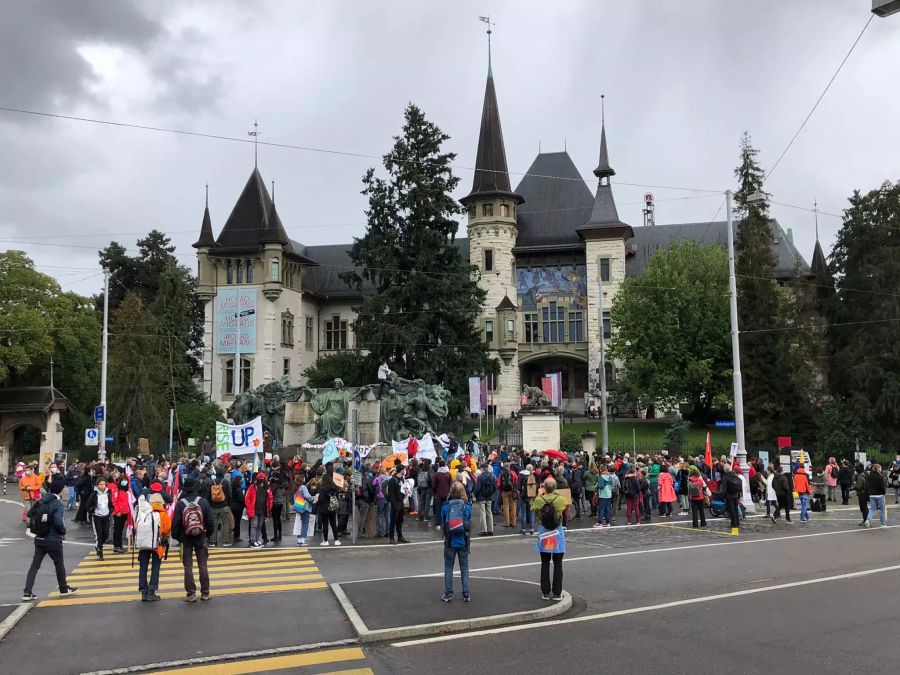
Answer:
x=484 y=396
x=236 y=321
x=555 y=389
x=547 y=387
x=475 y=395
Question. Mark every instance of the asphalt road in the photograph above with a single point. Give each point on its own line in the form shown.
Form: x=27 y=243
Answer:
x=817 y=597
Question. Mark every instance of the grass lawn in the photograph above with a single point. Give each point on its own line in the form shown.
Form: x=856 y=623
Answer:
x=649 y=435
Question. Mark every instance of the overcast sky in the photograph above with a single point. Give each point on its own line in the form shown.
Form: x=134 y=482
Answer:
x=683 y=80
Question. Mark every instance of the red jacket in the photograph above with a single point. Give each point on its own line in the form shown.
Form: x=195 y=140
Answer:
x=514 y=477
x=121 y=506
x=250 y=501
x=412 y=448
x=698 y=479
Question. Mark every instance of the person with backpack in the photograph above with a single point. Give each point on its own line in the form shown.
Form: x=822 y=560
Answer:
x=485 y=486
x=784 y=495
x=846 y=481
x=426 y=494
x=152 y=528
x=875 y=489
x=832 y=477
x=258 y=502
x=220 y=501
x=456 y=519
x=100 y=508
x=696 y=491
x=576 y=484
x=440 y=484
x=508 y=485
x=631 y=488
x=278 y=481
x=551 y=540
x=302 y=507
x=47 y=524
x=528 y=490
x=604 y=497
x=193 y=525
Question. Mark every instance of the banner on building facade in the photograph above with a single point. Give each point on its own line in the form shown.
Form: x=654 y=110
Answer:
x=555 y=394
x=236 y=321
x=547 y=388
x=475 y=395
x=239 y=439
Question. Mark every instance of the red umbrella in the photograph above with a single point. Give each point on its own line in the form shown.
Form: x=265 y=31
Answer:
x=556 y=454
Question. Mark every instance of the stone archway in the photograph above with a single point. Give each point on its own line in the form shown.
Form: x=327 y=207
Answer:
x=574 y=376
x=38 y=407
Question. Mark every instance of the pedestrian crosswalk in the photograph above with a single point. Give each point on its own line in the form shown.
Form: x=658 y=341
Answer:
x=346 y=661
x=232 y=572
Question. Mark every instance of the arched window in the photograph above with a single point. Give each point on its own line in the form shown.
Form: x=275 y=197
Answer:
x=276 y=270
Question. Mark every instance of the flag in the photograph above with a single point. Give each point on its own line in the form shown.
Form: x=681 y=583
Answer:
x=708 y=456
x=484 y=390
x=330 y=453
x=475 y=395
x=485 y=19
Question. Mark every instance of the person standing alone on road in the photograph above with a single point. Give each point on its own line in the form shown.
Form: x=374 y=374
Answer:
x=862 y=496
x=697 y=497
x=875 y=489
x=803 y=490
x=551 y=539
x=193 y=524
x=46 y=522
x=151 y=533
x=30 y=487
x=456 y=517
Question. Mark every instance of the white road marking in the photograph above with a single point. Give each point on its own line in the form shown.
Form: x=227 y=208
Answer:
x=650 y=608
x=667 y=549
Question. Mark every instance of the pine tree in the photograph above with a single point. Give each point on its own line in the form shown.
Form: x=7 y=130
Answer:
x=864 y=314
x=421 y=316
x=770 y=395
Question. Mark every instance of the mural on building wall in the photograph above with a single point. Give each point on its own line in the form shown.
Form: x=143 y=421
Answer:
x=236 y=321
x=533 y=284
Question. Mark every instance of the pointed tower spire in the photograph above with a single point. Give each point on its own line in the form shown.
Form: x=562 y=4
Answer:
x=819 y=265
x=206 y=234
x=604 y=215
x=491 y=173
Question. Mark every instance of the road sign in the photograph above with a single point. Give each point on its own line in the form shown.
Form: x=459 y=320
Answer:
x=110 y=439
x=59 y=458
x=724 y=424
x=91 y=437
x=357 y=460
x=357 y=478
x=99 y=414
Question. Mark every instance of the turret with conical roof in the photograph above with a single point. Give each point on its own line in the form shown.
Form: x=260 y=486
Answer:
x=604 y=215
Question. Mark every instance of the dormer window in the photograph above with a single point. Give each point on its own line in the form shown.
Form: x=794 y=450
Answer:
x=504 y=210
x=487 y=209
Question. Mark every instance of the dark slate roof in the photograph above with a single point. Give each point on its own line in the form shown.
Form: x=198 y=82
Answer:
x=491 y=173
x=647 y=240
x=603 y=167
x=506 y=303
x=206 y=234
x=555 y=207
x=819 y=267
x=31 y=400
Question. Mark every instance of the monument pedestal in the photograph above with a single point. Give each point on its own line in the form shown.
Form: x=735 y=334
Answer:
x=540 y=430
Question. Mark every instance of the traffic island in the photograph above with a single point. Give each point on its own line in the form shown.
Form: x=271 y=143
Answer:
x=378 y=610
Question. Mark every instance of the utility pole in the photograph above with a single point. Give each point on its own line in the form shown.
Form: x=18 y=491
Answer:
x=604 y=421
x=736 y=360
x=103 y=368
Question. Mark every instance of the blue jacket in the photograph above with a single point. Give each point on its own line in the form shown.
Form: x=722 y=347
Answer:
x=136 y=486
x=58 y=524
x=458 y=542
x=487 y=480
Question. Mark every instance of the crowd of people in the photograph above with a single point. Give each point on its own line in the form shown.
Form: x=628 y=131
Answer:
x=201 y=502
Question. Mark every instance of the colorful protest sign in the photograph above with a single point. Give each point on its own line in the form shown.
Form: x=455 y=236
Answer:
x=239 y=439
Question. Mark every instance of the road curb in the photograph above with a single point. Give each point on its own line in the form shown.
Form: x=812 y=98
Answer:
x=367 y=635
x=15 y=617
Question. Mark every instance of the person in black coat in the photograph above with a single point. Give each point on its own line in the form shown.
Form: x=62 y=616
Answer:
x=194 y=544
x=393 y=492
x=845 y=480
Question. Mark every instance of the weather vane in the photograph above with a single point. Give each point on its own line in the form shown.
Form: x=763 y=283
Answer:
x=255 y=134
x=487 y=20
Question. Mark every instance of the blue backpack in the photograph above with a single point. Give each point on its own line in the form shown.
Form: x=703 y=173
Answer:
x=457 y=527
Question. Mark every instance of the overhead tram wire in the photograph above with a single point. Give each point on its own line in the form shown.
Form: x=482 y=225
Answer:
x=821 y=96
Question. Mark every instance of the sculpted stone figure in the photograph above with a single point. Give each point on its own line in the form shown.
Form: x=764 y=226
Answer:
x=331 y=406
x=267 y=401
x=534 y=396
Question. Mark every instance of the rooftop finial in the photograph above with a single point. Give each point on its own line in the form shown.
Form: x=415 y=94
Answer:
x=487 y=20
x=816 y=211
x=207 y=195
x=273 y=191
x=602 y=109
x=255 y=134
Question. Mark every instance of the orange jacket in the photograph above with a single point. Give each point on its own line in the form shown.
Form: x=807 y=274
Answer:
x=801 y=482
x=165 y=528
x=31 y=485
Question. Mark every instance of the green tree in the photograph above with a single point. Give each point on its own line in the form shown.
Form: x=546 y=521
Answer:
x=673 y=329
x=197 y=420
x=771 y=399
x=139 y=386
x=422 y=313
x=353 y=367
x=864 y=315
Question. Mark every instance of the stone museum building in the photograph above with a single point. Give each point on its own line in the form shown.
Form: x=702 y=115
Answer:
x=273 y=306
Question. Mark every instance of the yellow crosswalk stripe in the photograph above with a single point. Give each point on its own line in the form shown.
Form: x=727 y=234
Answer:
x=115 y=558
x=255 y=588
x=275 y=663
x=253 y=582
x=223 y=568
x=353 y=671
x=213 y=560
x=104 y=580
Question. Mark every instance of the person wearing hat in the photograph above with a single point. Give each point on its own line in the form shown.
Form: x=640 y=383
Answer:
x=49 y=527
x=194 y=544
x=258 y=502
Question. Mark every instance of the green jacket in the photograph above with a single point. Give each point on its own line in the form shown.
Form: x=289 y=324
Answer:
x=591 y=479
x=653 y=474
x=559 y=503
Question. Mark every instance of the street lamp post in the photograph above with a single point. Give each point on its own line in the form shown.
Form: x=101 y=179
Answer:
x=736 y=359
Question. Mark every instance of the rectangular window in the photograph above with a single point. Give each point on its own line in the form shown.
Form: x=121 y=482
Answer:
x=229 y=376
x=489 y=331
x=249 y=271
x=287 y=330
x=531 y=328
x=487 y=209
x=309 y=335
x=607 y=326
x=229 y=272
x=510 y=329
x=240 y=271
x=335 y=334
x=287 y=367
x=471 y=210
x=504 y=210
x=488 y=260
x=576 y=326
x=554 y=323
x=604 y=269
